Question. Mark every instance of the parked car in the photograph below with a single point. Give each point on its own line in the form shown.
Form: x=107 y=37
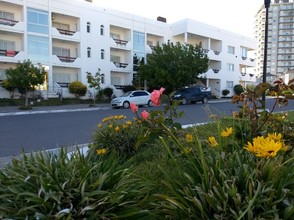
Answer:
x=192 y=95
x=139 y=97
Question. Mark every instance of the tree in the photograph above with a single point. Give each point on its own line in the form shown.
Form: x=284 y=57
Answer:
x=25 y=76
x=94 y=82
x=173 y=66
x=77 y=88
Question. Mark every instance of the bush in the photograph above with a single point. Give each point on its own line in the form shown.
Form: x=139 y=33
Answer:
x=77 y=88
x=108 y=92
x=225 y=92
x=238 y=89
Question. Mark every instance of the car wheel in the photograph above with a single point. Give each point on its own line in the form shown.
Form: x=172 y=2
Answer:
x=204 y=100
x=184 y=101
x=150 y=103
x=126 y=104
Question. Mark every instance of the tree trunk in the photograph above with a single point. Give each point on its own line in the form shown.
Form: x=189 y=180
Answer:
x=27 y=98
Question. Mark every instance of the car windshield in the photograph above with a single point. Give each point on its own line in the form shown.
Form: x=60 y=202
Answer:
x=126 y=94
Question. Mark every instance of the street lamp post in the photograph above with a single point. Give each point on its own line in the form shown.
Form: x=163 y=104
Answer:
x=266 y=5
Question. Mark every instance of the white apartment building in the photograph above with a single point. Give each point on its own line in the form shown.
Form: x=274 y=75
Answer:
x=280 y=50
x=70 y=38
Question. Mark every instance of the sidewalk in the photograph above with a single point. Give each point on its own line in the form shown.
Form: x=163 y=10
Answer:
x=13 y=110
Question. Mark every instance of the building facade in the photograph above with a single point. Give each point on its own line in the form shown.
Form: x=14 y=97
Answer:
x=71 y=38
x=280 y=50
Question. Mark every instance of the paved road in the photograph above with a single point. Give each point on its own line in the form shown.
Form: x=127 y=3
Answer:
x=54 y=127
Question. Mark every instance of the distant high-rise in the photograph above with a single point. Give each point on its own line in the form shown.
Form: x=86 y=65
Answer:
x=280 y=54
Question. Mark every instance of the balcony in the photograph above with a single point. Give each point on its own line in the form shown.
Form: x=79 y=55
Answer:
x=66 y=59
x=63 y=34
x=120 y=44
x=8 y=53
x=120 y=65
x=215 y=70
x=8 y=22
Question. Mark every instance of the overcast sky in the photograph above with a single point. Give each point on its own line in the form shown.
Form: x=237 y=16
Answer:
x=232 y=15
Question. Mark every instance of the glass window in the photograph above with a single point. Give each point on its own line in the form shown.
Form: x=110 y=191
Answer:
x=89 y=52
x=101 y=29
x=231 y=50
x=7 y=45
x=102 y=54
x=102 y=79
x=6 y=15
x=139 y=42
x=230 y=84
x=88 y=27
x=61 y=51
x=230 y=67
x=38 y=48
x=243 y=52
x=2 y=74
x=38 y=21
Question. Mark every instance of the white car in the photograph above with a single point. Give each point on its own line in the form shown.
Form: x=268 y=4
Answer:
x=139 y=97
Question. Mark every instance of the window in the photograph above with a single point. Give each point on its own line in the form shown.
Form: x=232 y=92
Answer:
x=88 y=27
x=89 y=52
x=230 y=67
x=102 y=54
x=139 y=42
x=115 y=80
x=230 y=84
x=38 y=21
x=231 y=50
x=115 y=59
x=114 y=36
x=38 y=48
x=62 y=77
x=61 y=26
x=243 y=52
x=61 y=51
x=2 y=74
x=102 y=78
x=6 y=15
x=7 y=45
x=101 y=29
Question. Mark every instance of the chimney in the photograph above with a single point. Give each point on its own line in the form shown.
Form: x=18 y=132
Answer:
x=162 y=19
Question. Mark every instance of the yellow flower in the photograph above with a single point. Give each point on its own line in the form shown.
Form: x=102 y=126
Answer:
x=214 y=116
x=110 y=126
x=99 y=125
x=265 y=147
x=117 y=129
x=101 y=151
x=189 y=137
x=128 y=122
x=228 y=132
x=212 y=142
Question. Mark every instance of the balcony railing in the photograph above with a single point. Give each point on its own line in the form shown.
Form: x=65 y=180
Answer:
x=216 y=52
x=66 y=59
x=215 y=70
x=66 y=32
x=8 y=22
x=120 y=65
x=121 y=42
x=8 y=53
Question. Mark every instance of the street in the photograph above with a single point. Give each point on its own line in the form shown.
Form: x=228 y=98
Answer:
x=35 y=132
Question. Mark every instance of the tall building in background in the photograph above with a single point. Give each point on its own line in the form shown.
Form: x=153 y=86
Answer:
x=280 y=53
x=72 y=37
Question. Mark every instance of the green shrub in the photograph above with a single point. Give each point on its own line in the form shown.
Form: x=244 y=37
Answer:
x=108 y=92
x=46 y=186
x=77 y=88
x=238 y=89
x=114 y=133
x=225 y=92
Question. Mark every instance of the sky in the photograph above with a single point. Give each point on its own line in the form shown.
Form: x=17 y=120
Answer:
x=232 y=15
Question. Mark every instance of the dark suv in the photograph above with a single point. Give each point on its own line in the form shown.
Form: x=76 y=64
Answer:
x=192 y=95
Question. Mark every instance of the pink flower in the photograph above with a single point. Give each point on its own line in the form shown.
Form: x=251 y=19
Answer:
x=134 y=107
x=145 y=115
x=155 y=96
